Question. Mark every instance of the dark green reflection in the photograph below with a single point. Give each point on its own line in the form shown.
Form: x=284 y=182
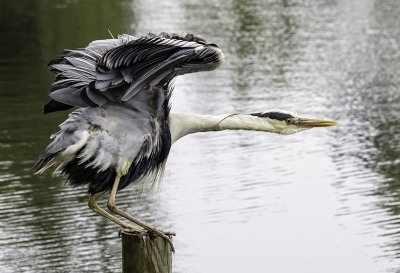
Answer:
x=32 y=33
x=384 y=91
x=365 y=71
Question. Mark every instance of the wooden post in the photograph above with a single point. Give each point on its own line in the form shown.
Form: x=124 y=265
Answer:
x=144 y=254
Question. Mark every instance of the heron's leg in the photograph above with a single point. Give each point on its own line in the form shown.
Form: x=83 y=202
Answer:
x=93 y=205
x=114 y=209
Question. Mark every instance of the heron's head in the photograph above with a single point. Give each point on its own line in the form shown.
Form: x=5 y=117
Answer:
x=286 y=123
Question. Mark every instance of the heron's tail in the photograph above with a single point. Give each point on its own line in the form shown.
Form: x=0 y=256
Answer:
x=61 y=151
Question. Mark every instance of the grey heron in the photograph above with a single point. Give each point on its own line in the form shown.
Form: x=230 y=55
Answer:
x=123 y=130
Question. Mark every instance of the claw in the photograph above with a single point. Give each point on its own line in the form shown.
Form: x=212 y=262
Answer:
x=166 y=237
x=156 y=232
x=132 y=230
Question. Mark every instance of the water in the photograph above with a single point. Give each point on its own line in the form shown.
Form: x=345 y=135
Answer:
x=325 y=200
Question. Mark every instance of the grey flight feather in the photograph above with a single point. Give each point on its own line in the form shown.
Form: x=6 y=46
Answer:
x=126 y=65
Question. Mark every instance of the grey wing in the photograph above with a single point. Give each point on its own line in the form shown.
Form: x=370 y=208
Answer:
x=129 y=78
x=115 y=70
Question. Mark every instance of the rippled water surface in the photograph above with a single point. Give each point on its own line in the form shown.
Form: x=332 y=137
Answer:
x=325 y=200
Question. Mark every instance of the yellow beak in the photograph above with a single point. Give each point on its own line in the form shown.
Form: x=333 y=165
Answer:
x=306 y=122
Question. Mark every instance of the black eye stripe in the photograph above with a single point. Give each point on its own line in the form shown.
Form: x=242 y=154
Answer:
x=273 y=115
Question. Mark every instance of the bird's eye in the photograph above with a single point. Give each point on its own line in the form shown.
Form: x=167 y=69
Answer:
x=288 y=121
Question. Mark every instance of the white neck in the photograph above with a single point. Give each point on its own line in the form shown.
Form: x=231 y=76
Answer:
x=182 y=124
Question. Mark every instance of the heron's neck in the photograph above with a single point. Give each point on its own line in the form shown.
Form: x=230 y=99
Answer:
x=182 y=124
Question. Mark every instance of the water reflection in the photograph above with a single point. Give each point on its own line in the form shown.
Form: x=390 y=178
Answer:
x=320 y=201
x=364 y=72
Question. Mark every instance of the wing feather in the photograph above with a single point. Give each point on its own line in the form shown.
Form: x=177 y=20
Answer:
x=69 y=96
x=127 y=65
x=149 y=75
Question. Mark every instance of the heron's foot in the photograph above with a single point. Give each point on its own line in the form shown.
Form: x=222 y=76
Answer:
x=154 y=232
x=132 y=230
x=144 y=232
